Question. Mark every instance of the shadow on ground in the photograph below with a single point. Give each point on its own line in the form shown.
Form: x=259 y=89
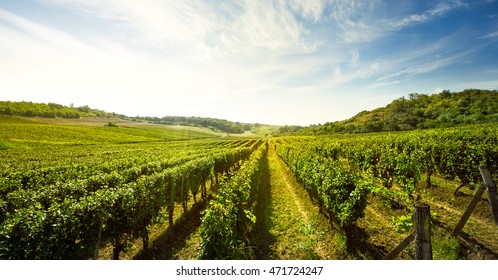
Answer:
x=262 y=239
x=174 y=238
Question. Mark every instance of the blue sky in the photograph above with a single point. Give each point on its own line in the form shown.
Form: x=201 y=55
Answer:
x=277 y=62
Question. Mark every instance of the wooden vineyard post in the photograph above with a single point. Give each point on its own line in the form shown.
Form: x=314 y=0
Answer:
x=493 y=200
x=421 y=235
x=422 y=220
x=492 y=195
x=466 y=215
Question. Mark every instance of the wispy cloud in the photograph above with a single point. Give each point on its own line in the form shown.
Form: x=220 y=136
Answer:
x=61 y=66
x=364 y=21
x=438 y=10
x=417 y=69
x=207 y=29
x=366 y=70
x=353 y=19
x=18 y=27
x=491 y=35
x=403 y=64
x=109 y=75
x=311 y=9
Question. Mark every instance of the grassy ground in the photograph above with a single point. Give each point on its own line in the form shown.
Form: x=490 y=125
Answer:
x=259 y=131
x=291 y=227
x=20 y=131
x=477 y=241
x=479 y=237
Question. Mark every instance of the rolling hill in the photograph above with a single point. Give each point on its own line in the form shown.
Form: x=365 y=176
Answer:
x=84 y=115
x=418 y=111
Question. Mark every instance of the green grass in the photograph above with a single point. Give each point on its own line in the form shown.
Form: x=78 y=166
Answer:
x=161 y=132
x=25 y=132
x=287 y=218
x=296 y=228
x=15 y=120
x=264 y=129
x=4 y=145
x=57 y=134
x=444 y=246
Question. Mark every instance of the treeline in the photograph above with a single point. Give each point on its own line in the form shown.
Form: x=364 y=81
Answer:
x=418 y=111
x=53 y=110
x=50 y=110
x=30 y=109
x=215 y=124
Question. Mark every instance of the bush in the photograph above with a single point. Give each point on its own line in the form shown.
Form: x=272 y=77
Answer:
x=111 y=124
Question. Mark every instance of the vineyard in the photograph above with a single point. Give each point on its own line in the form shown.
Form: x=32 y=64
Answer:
x=159 y=192
x=347 y=174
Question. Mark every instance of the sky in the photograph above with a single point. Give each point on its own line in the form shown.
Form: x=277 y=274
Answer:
x=291 y=62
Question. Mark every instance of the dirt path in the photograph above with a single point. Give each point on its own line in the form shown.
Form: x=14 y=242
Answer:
x=290 y=227
x=291 y=188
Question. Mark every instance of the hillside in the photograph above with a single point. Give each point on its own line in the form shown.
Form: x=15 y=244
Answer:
x=56 y=113
x=22 y=132
x=418 y=111
x=50 y=110
x=218 y=125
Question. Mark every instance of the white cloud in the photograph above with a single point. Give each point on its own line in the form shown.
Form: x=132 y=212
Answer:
x=491 y=35
x=438 y=10
x=365 y=21
x=355 y=57
x=52 y=39
x=206 y=30
x=413 y=70
x=353 y=18
x=311 y=9
x=44 y=64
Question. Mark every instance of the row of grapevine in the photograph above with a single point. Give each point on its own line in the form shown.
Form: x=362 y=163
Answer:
x=129 y=169
x=230 y=217
x=49 y=157
x=96 y=174
x=50 y=175
x=340 y=191
x=403 y=158
x=339 y=171
x=74 y=227
x=22 y=196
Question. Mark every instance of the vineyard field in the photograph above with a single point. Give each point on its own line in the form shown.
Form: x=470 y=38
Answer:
x=90 y=190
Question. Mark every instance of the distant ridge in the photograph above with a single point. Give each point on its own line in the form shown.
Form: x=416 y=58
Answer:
x=418 y=111
x=53 y=110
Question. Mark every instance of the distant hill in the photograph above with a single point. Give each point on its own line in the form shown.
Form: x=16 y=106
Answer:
x=57 y=111
x=418 y=111
x=51 y=110
x=214 y=124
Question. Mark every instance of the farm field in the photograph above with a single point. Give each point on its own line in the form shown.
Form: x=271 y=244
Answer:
x=87 y=191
